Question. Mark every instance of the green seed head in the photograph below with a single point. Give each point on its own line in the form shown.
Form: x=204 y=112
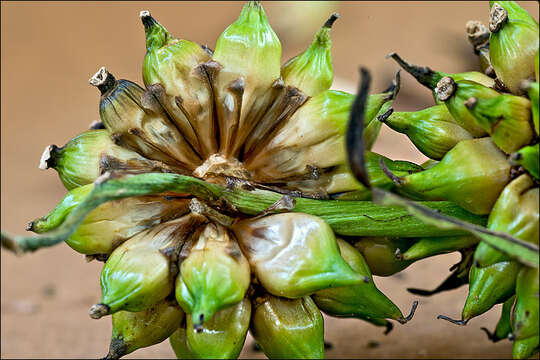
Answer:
x=222 y=336
x=135 y=330
x=362 y=301
x=311 y=71
x=507 y=118
x=215 y=275
x=513 y=43
x=433 y=130
x=286 y=328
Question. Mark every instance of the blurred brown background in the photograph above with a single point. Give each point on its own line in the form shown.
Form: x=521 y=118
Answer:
x=50 y=49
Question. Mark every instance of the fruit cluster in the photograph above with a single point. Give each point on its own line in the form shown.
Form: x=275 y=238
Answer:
x=232 y=194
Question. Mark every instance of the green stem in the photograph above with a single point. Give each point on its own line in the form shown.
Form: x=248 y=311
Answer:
x=352 y=218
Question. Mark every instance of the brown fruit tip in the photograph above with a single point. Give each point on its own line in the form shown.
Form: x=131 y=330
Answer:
x=97 y=311
x=47 y=160
x=445 y=88
x=477 y=32
x=497 y=17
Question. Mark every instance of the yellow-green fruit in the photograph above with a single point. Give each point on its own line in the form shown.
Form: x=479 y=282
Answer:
x=79 y=161
x=453 y=90
x=380 y=254
x=311 y=71
x=426 y=247
x=528 y=157
x=111 y=223
x=173 y=71
x=288 y=329
x=489 y=286
x=532 y=89
x=243 y=91
x=294 y=254
x=513 y=43
x=223 y=336
x=135 y=330
x=137 y=275
x=471 y=168
x=214 y=275
x=433 y=130
x=342 y=184
x=313 y=135
x=525 y=314
x=506 y=118
x=516 y=213
x=179 y=343
x=363 y=301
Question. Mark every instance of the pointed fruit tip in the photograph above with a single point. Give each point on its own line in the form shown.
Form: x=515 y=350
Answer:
x=331 y=20
x=461 y=322
x=409 y=317
x=97 y=311
x=383 y=117
x=477 y=33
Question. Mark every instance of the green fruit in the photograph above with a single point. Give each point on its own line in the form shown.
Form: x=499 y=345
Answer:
x=454 y=90
x=135 y=330
x=137 y=275
x=288 y=329
x=179 y=343
x=471 y=167
x=221 y=337
x=363 y=301
x=271 y=245
x=313 y=135
x=513 y=43
x=532 y=92
x=528 y=158
x=426 y=247
x=524 y=349
x=111 y=223
x=503 y=327
x=341 y=183
x=242 y=91
x=489 y=286
x=79 y=162
x=215 y=275
x=433 y=130
x=515 y=213
x=506 y=118
x=525 y=314
x=380 y=254
x=173 y=71
x=311 y=71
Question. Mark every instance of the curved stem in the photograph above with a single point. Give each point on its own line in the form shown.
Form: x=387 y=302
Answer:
x=350 y=218
x=453 y=321
x=411 y=313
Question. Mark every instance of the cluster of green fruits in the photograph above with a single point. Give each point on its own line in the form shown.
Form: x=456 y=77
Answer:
x=223 y=196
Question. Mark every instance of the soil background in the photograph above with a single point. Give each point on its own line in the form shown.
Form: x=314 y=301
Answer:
x=51 y=49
